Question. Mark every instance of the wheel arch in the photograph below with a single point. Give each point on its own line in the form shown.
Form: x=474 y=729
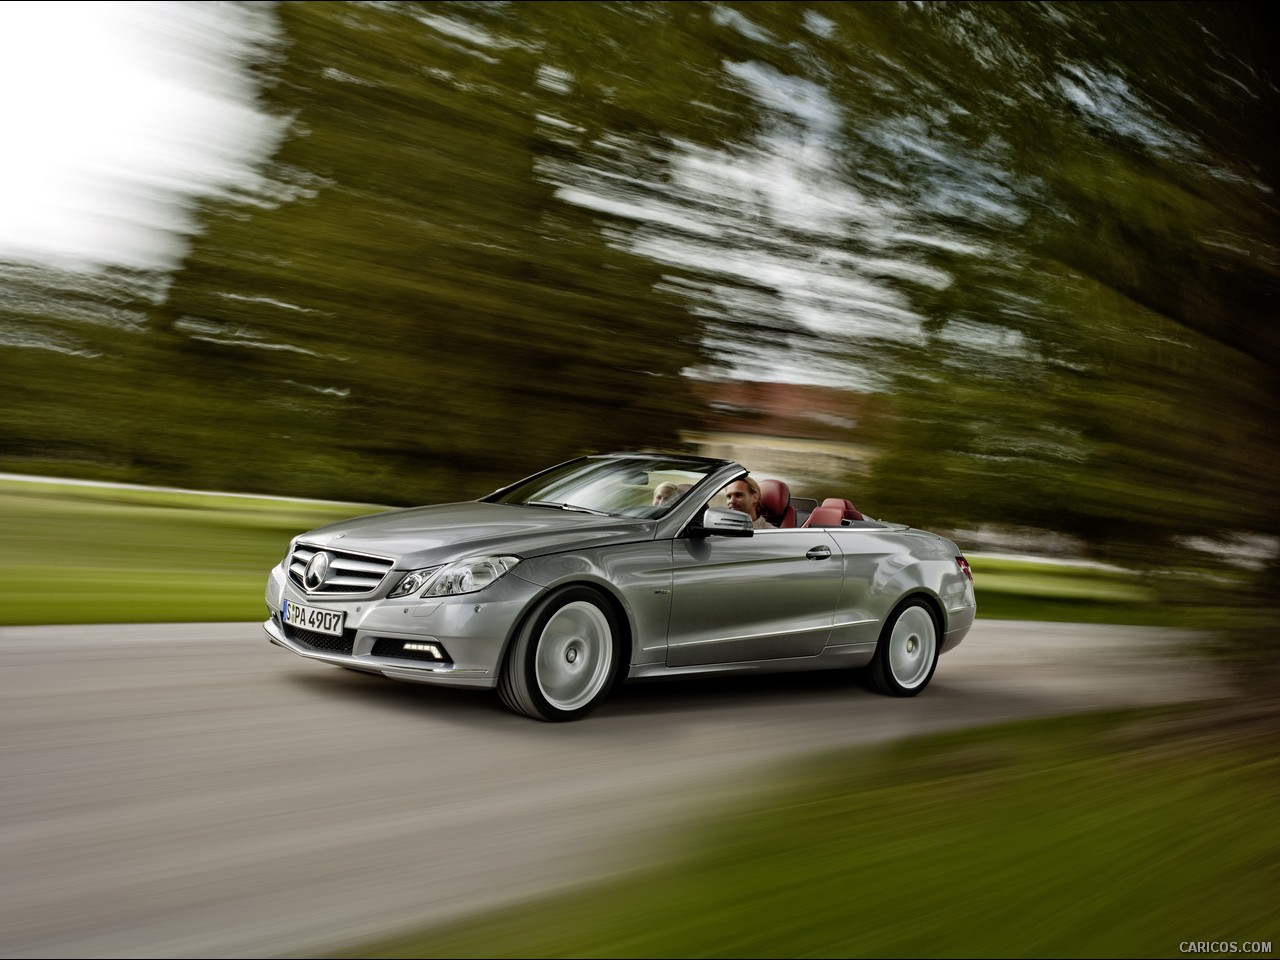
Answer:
x=932 y=602
x=605 y=592
x=882 y=672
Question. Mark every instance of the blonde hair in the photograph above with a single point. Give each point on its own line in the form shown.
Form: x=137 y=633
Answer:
x=665 y=489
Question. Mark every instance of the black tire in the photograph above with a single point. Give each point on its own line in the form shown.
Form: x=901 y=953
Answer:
x=564 y=659
x=907 y=652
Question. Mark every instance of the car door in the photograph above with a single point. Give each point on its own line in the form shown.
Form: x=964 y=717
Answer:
x=769 y=596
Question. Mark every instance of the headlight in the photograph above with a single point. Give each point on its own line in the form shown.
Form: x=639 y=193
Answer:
x=413 y=582
x=461 y=576
x=468 y=576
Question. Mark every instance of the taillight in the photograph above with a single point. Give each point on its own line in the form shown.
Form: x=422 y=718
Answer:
x=963 y=564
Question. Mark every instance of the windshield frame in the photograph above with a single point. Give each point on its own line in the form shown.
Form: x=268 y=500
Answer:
x=607 y=484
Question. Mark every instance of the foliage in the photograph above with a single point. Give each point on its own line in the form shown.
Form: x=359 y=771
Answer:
x=1101 y=187
x=409 y=308
x=1103 y=366
x=441 y=319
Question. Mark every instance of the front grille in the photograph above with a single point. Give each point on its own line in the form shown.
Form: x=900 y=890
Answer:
x=322 y=641
x=349 y=573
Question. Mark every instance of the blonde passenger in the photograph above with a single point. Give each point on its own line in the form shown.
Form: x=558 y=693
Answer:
x=665 y=493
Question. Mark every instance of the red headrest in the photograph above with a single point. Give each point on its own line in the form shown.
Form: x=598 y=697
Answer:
x=825 y=516
x=849 y=511
x=775 y=497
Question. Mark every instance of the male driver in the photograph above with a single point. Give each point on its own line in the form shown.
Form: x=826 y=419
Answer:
x=744 y=495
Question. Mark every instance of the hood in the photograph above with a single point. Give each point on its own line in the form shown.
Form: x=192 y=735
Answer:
x=424 y=536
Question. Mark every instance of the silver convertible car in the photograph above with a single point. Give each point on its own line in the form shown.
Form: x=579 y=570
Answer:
x=620 y=567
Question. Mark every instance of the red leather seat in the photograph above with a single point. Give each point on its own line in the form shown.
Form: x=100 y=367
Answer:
x=825 y=516
x=849 y=511
x=775 y=503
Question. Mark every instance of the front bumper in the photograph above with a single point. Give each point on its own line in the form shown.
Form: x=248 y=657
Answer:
x=472 y=630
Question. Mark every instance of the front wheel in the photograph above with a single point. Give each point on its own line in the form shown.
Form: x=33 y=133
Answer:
x=564 y=659
x=907 y=653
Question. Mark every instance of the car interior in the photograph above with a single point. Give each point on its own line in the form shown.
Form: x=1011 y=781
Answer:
x=783 y=510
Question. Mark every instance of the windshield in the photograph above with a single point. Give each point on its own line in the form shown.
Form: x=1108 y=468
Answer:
x=644 y=487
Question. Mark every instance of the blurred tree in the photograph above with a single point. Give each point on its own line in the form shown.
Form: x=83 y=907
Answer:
x=418 y=314
x=70 y=344
x=1125 y=288
x=1103 y=360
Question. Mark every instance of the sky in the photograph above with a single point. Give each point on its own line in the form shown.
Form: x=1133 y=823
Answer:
x=115 y=117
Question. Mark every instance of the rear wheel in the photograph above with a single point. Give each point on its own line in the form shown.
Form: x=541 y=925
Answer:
x=564 y=659
x=907 y=653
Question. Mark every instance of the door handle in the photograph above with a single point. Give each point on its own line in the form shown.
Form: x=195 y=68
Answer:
x=818 y=553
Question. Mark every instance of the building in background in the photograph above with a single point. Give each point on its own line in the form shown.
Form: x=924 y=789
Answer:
x=813 y=438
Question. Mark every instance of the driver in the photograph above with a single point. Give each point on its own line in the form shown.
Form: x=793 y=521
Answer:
x=744 y=495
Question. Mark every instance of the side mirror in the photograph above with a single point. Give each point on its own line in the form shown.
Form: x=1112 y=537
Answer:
x=718 y=522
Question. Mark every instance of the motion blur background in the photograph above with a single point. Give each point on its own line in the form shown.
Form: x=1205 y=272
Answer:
x=1025 y=254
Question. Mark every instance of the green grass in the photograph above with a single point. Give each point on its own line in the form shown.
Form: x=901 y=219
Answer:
x=1014 y=589
x=96 y=554
x=1098 y=836
x=90 y=554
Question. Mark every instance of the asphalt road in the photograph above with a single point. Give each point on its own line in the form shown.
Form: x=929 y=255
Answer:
x=192 y=791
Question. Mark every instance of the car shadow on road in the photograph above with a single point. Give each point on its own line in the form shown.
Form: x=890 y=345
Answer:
x=679 y=699
x=376 y=691
x=677 y=694
x=648 y=697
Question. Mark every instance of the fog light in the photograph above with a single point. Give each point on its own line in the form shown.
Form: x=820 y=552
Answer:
x=430 y=648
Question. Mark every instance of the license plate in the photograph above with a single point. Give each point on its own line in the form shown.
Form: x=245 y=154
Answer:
x=313 y=618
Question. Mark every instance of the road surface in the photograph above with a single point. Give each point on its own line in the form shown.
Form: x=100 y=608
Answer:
x=192 y=791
